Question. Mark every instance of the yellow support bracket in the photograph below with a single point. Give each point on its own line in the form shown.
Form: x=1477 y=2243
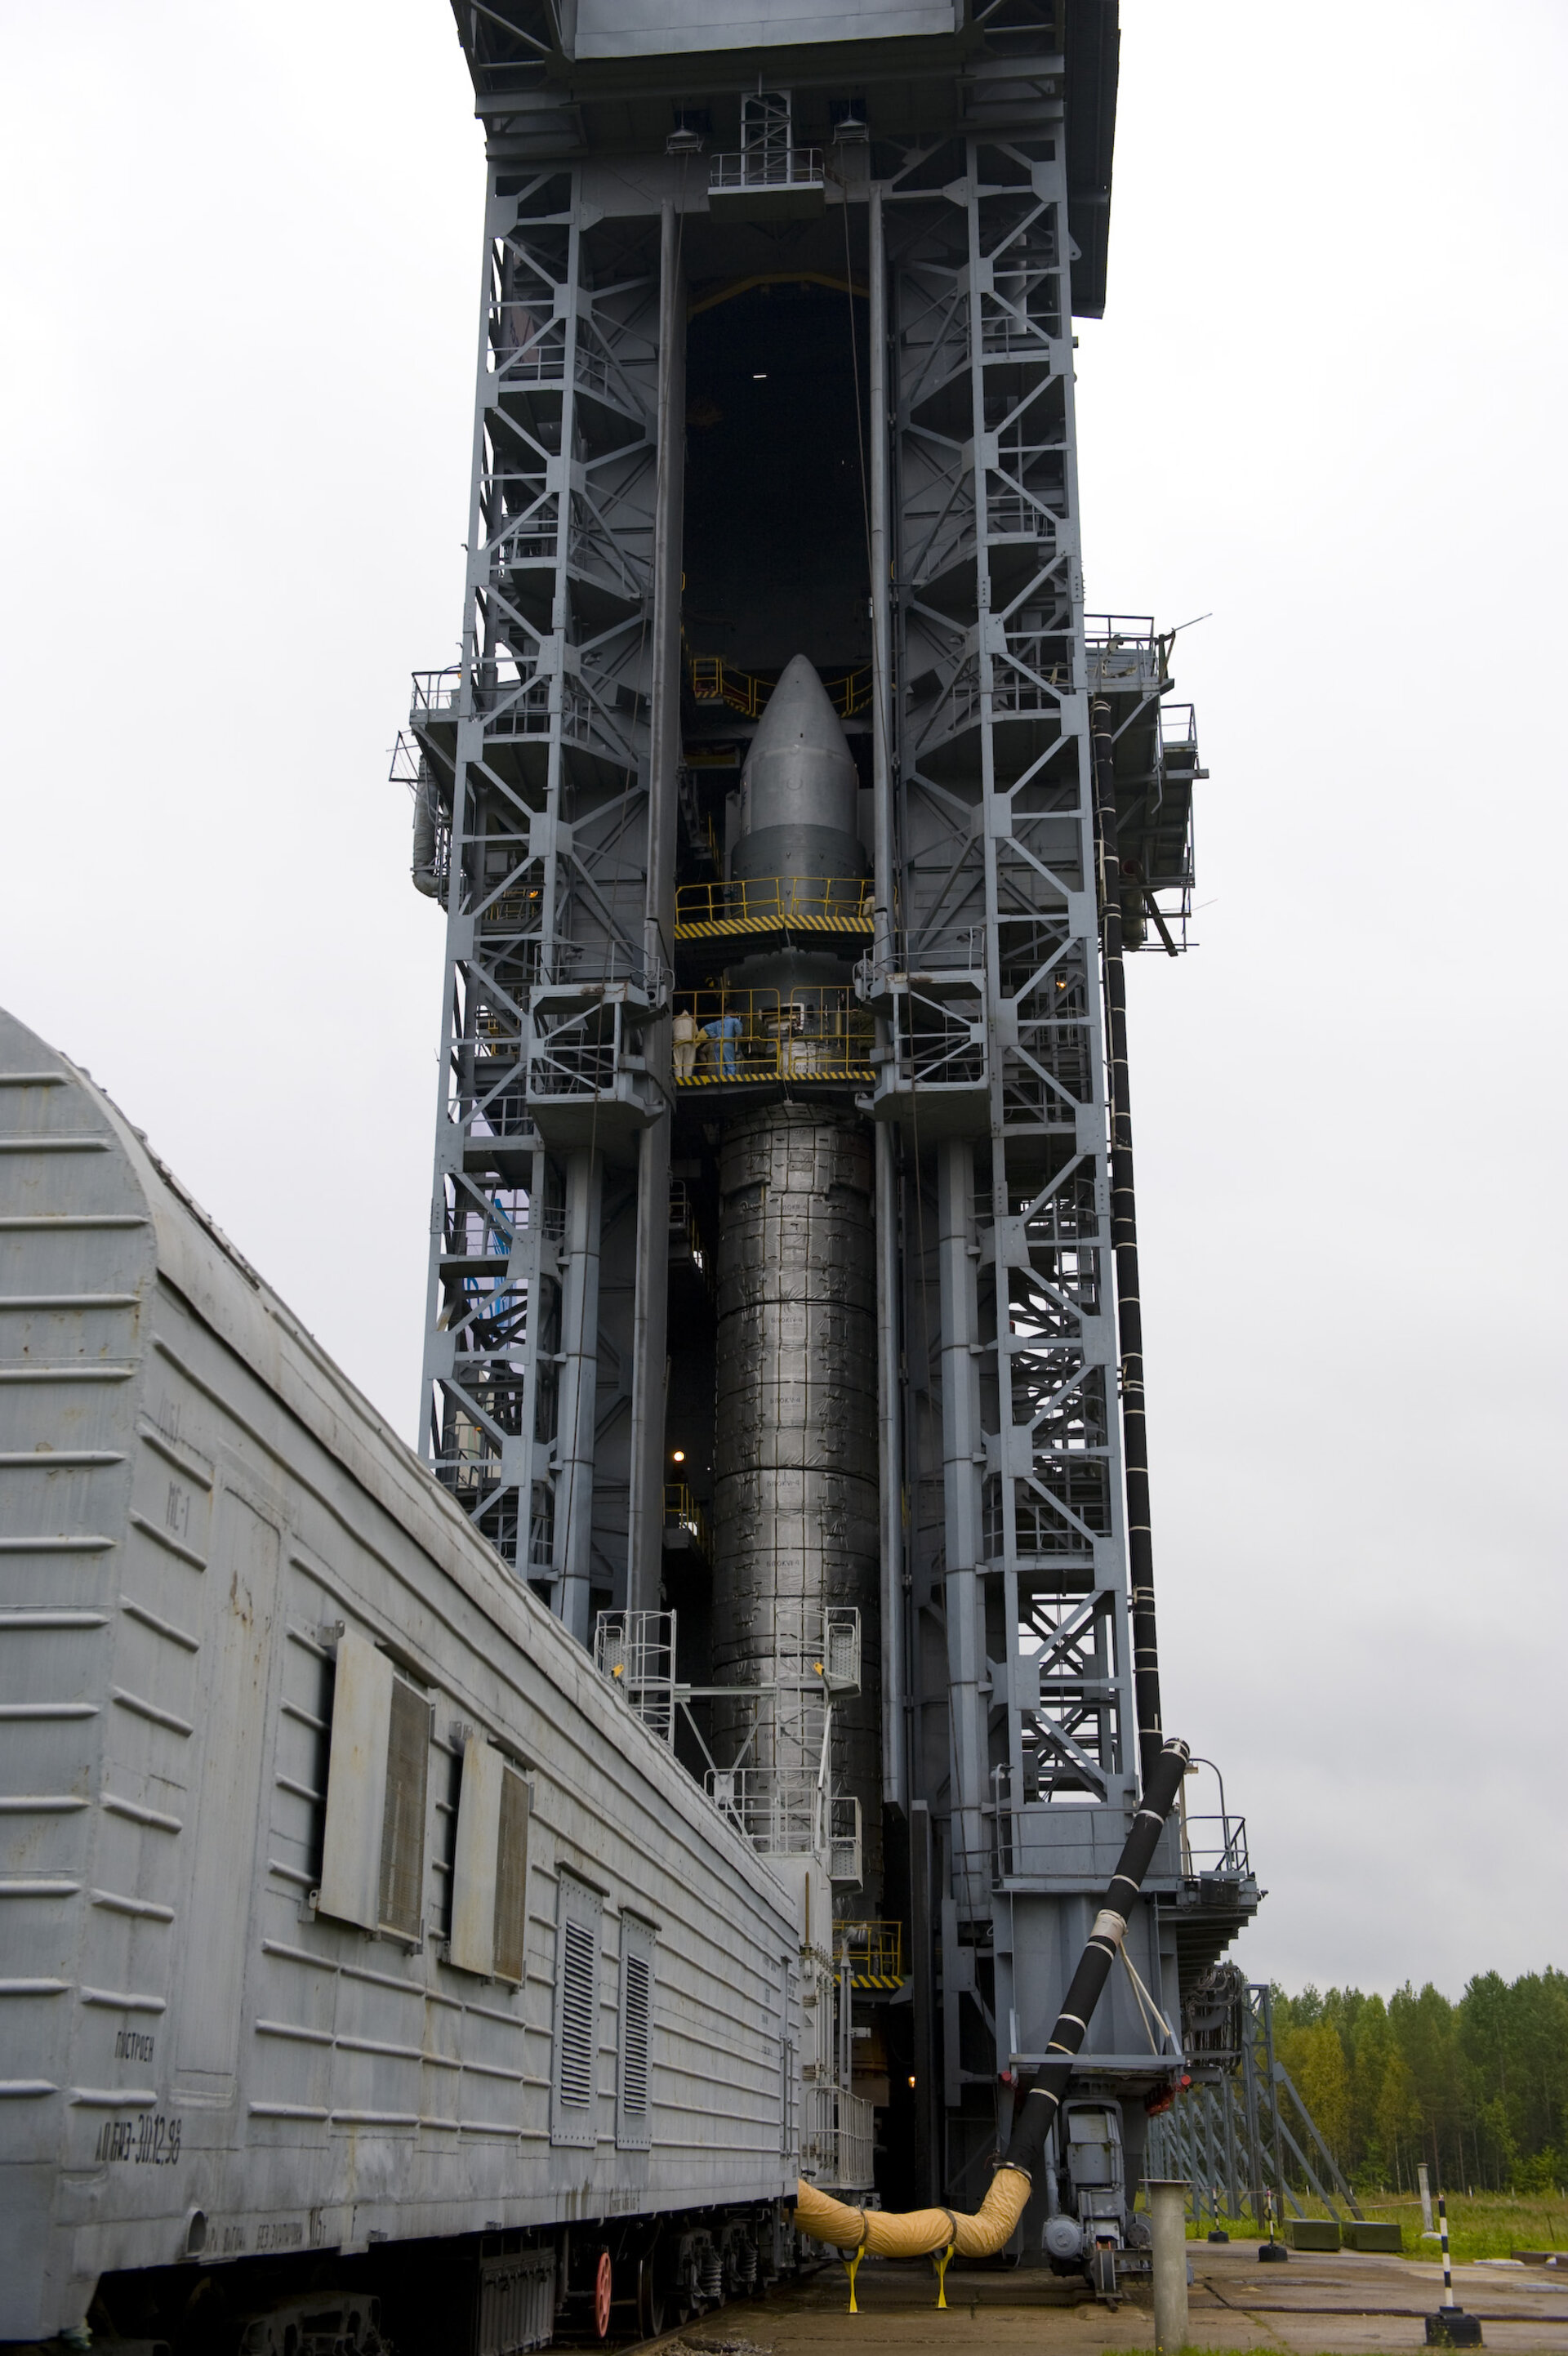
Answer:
x=852 y=2268
x=940 y=2265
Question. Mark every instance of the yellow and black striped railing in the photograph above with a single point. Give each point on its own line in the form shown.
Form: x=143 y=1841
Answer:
x=874 y=1952
x=727 y=1038
x=773 y=904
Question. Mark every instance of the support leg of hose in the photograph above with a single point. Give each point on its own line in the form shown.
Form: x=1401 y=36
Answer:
x=940 y=2260
x=852 y=2268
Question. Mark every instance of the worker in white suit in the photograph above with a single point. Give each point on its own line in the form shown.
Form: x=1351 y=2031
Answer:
x=685 y=1044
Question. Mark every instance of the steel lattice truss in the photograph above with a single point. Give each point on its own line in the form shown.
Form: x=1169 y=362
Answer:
x=538 y=745
x=993 y=1002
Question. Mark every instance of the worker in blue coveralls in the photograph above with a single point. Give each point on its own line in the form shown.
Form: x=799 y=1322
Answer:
x=725 y=1029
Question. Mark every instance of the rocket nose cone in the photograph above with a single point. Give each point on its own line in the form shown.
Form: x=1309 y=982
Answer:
x=800 y=714
x=798 y=786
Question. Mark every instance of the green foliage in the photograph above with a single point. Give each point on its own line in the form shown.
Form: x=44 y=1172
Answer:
x=1476 y=2089
x=1492 y=2225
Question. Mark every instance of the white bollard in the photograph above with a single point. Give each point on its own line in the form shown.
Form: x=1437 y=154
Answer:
x=1167 y=2226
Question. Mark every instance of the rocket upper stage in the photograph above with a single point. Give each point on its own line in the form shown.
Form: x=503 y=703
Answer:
x=798 y=788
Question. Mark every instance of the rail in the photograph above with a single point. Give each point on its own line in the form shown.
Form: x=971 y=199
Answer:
x=685 y=1235
x=836 y=2138
x=844 y=1862
x=764 y=167
x=874 y=1951
x=857 y=2129
x=773 y=904
x=840 y=1647
x=789 y=1812
x=606 y=960
x=1224 y=1851
x=635 y=1651
x=682 y=1512
x=436 y=691
x=1120 y=629
x=485 y=1228
x=1178 y=725
x=526 y=351
x=507 y=695
x=713 y=680
x=777 y=1808
x=730 y=1037
x=937 y=1039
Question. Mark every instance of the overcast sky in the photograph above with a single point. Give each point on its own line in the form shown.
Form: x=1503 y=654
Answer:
x=242 y=263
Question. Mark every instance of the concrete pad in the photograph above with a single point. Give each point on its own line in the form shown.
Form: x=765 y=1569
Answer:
x=1346 y=2304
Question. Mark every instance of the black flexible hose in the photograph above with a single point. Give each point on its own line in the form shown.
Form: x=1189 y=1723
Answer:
x=1037 y=2113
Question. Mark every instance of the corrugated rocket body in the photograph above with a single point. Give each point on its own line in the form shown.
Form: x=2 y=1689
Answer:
x=795 y=1504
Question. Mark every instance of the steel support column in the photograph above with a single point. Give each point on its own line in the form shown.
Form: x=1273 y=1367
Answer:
x=576 y=1425
x=963 y=1458
x=646 y=1502
x=890 y=1384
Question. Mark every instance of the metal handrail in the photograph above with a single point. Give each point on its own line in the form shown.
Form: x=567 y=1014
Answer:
x=1120 y=629
x=777 y=1808
x=715 y=680
x=565 y=963
x=801 y=1033
x=1228 y=1855
x=875 y=1950
x=767 y=166
x=840 y=902
x=682 y=1512
x=435 y=691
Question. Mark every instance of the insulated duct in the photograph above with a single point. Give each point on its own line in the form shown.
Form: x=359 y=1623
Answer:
x=916 y=2232
x=426 y=865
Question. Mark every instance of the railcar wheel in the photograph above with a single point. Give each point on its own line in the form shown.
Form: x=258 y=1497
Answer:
x=602 y=2296
x=649 y=2299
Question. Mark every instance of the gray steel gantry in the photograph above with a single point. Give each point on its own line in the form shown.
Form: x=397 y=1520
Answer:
x=549 y=751
x=994 y=1080
x=959 y=158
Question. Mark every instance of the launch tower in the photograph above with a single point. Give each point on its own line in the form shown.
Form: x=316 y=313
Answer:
x=793 y=822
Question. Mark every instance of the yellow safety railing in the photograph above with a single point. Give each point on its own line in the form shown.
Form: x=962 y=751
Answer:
x=773 y=904
x=682 y=1512
x=726 y=1037
x=713 y=680
x=875 y=1952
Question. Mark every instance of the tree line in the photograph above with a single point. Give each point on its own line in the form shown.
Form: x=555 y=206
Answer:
x=1476 y=2089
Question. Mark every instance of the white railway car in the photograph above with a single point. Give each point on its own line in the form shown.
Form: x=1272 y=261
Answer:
x=345 y=1911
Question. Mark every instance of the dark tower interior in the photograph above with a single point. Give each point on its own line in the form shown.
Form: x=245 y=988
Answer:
x=775 y=522
x=775 y=565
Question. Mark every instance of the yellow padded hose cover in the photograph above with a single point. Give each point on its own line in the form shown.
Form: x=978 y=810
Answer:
x=916 y=2232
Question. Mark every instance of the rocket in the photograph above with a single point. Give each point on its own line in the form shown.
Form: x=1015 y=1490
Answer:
x=795 y=1500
